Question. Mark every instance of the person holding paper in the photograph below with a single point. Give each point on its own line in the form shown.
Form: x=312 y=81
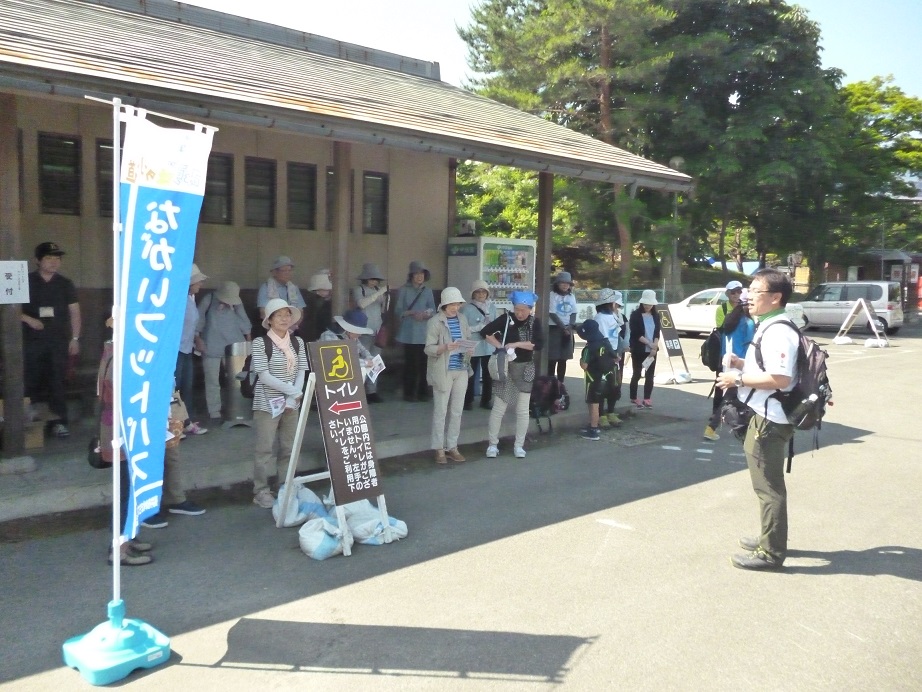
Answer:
x=736 y=329
x=448 y=347
x=277 y=395
x=351 y=327
x=644 y=326
x=519 y=333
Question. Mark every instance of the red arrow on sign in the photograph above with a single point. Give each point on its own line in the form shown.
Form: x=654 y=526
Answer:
x=340 y=406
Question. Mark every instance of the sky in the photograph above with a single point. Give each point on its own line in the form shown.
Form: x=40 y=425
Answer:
x=864 y=39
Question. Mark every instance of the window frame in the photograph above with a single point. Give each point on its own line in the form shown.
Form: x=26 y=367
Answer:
x=260 y=198
x=213 y=191
x=375 y=222
x=63 y=187
x=310 y=194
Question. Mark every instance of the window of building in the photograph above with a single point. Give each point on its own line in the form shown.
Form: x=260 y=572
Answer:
x=59 y=174
x=374 y=202
x=302 y=195
x=104 y=153
x=259 y=179
x=218 y=202
x=329 y=206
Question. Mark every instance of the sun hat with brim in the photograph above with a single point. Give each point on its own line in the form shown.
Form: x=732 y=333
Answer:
x=415 y=268
x=354 y=321
x=45 y=249
x=563 y=278
x=733 y=285
x=320 y=282
x=618 y=299
x=229 y=293
x=523 y=298
x=480 y=285
x=196 y=276
x=282 y=261
x=648 y=297
x=371 y=271
x=450 y=295
x=277 y=304
x=606 y=296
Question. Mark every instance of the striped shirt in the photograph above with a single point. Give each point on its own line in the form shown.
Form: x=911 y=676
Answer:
x=456 y=360
x=277 y=366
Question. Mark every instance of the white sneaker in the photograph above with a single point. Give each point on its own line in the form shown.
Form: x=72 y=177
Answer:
x=519 y=452
x=264 y=499
x=492 y=452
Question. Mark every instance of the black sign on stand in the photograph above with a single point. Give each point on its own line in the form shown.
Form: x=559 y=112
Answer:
x=669 y=335
x=348 y=438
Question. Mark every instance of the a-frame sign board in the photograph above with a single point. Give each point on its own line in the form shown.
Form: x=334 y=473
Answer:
x=669 y=337
x=337 y=383
x=861 y=307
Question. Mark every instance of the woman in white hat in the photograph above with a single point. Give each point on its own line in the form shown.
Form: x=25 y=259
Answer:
x=371 y=296
x=644 y=326
x=479 y=312
x=520 y=333
x=447 y=370
x=562 y=315
x=280 y=285
x=280 y=363
x=222 y=321
x=414 y=306
x=612 y=325
x=318 y=309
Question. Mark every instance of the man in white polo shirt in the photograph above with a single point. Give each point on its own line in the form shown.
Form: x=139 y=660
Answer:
x=769 y=431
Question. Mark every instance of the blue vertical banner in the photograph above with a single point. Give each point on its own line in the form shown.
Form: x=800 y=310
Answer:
x=161 y=185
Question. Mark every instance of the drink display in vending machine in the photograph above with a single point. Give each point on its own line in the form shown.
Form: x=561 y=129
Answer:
x=506 y=264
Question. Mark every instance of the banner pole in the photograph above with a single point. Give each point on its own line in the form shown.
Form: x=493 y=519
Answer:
x=118 y=331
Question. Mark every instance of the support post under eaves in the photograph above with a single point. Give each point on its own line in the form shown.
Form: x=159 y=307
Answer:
x=342 y=216
x=543 y=258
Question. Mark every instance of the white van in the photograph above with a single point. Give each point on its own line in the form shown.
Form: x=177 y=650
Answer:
x=829 y=304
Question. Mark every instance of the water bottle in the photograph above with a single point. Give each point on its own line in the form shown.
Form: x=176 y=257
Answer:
x=804 y=408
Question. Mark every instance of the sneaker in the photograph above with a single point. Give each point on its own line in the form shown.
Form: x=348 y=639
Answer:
x=440 y=457
x=132 y=558
x=455 y=455
x=590 y=434
x=710 y=434
x=492 y=452
x=637 y=403
x=60 y=430
x=603 y=421
x=614 y=420
x=140 y=546
x=647 y=403
x=519 y=452
x=756 y=560
x=155 y=521
x=749 y=544
x=188 y=507
x=194 y=429
x=264 y=499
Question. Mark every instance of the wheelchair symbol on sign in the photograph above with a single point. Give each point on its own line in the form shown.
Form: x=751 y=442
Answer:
x=665 y=320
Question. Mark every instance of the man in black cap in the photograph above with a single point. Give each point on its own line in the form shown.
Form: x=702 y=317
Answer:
x=51 y=333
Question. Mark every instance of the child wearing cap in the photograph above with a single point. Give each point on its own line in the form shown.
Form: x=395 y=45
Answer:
x=599 y=363
x=613 y=326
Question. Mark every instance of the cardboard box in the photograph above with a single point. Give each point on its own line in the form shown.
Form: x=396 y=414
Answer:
x=34 y=436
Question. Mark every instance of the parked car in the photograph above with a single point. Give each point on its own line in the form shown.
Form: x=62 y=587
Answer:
x=697 y=313
x=829 y=304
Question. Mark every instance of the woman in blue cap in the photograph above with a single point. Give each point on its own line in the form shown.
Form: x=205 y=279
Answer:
x=519 y=333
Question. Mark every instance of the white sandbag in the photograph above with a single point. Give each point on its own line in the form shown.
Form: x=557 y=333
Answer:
x=360 y=510
x=293 y=516
x=321 y=538
x=310 y=504
x=842 y=340
x=372 y=532
x=875 y=343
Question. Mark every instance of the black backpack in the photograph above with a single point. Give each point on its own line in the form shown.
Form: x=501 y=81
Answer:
x=248 y=378
x=805 y=405
x=710 y=349
x=548 y=396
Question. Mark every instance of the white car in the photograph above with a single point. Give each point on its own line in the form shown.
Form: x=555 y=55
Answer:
x=697 y=313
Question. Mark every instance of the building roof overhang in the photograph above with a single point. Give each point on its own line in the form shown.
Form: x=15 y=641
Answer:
x=251 y=76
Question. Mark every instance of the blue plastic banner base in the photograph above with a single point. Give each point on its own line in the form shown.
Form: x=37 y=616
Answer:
x=112 y=650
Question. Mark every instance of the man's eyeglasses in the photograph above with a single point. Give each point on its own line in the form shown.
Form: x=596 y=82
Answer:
x=755 y=291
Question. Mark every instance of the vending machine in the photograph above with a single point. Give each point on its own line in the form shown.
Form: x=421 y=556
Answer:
x=506 y=264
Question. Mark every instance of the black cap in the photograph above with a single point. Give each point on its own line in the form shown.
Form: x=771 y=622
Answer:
x=45 y=249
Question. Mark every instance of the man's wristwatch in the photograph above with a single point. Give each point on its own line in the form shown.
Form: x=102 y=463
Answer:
x=739 y=380
x=75 y=338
